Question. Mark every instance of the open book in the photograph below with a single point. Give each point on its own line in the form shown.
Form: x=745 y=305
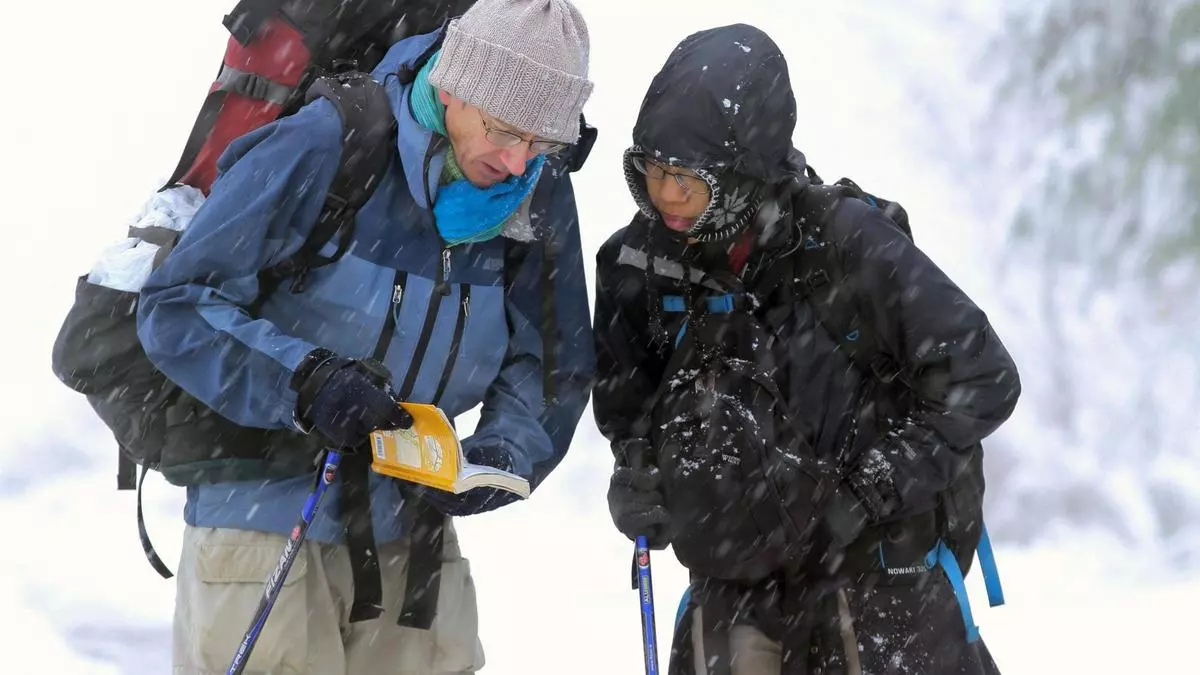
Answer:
x=429 y=453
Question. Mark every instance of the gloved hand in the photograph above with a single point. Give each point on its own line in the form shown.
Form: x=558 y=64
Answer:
x=344 y=402
x=476 y=500
x=867 y=495
x=873 y=483
x=637 y=505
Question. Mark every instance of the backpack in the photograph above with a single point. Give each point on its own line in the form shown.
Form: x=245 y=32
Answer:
x=281 y=54
x=156 y=424
x=730 y=454
x=277 y=48
x=727 y=449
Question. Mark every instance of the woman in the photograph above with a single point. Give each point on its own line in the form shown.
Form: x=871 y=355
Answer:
x=884 y=468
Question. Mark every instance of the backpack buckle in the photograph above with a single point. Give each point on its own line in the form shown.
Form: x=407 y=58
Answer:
x=336 y=205
x=817 y=279
x=343 y=66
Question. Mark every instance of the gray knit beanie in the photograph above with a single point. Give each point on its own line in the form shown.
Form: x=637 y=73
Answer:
x=524 y=62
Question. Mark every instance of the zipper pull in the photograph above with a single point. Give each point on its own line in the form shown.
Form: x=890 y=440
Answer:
x=442 y=287
x=466 y=306
x=397 y=294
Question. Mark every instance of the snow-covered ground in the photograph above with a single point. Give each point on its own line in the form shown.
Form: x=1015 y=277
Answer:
x=96 y=121
x=553 y=583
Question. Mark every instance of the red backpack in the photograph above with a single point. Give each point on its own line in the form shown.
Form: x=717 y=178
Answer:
x=277 y=48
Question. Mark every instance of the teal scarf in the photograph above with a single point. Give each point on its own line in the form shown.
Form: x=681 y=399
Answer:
x=427 y=109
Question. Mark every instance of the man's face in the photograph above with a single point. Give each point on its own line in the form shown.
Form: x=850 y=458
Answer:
x=487 y=150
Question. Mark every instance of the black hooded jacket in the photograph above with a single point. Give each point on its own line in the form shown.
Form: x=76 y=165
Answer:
x=723 y=99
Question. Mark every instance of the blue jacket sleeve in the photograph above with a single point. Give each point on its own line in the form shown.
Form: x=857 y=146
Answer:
x=192 y=317
x=514 y=416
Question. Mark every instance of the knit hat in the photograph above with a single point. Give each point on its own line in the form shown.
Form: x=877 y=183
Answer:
x=524 y=62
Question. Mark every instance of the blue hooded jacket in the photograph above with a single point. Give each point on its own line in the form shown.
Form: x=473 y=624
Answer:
x=194 y=326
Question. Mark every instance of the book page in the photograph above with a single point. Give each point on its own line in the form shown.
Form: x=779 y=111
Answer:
x=474 y=476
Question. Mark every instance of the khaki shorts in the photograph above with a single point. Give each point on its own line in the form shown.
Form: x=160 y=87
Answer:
x=220 y=583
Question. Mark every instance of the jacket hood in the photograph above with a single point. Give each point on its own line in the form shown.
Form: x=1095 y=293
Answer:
x=412 y=139
x=722 y=101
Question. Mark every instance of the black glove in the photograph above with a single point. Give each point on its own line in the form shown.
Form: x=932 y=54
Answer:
x=873 y=483
x=476 y=500
x=637 y=506
x=867 y=495
x=345 y=400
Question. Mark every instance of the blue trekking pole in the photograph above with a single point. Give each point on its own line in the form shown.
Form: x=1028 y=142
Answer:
x=329 y=469
x=646 y=593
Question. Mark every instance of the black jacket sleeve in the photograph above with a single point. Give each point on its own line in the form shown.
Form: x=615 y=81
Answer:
x=628 y=368
x=963 y=381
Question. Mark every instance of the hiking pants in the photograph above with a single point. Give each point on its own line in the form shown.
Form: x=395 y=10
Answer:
x=220 y=582
x=872 y=629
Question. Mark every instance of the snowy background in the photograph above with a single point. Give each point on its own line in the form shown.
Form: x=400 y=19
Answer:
x=1094 y=493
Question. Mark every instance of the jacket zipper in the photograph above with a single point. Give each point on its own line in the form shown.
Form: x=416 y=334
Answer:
x=389 y=320
x=464 y=311
x=410 y=378
x=443 y=272
x=441 y=288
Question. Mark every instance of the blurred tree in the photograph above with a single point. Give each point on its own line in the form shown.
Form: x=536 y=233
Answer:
x=1094 y=132
x=1117 y=85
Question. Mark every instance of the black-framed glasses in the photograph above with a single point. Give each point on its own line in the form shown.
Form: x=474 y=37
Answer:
x=690 y=184
x=508 y=139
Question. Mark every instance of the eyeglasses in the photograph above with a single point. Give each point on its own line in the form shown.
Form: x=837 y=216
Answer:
x=508 y=139
x=690 y=184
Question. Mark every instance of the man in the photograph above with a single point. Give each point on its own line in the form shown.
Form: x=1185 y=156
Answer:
x=806 y=493
x=425 y=288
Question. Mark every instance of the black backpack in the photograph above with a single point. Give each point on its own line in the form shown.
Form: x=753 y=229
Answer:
x=834 y=300
x=156 y=424
x=734 y=465
x=731 y=456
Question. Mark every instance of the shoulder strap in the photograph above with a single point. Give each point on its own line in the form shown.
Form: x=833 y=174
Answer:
x=515 y=253
x=368 y=143
x=514 y=256
x=891 y=209
x=831 y=293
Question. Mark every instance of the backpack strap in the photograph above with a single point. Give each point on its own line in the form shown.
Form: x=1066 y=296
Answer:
x=163 y=237
x=514 y=256
x=891 y=209
x=368 y=144
x=830 y=291
x=572 y=162
x=147 y=547
x=942 y=556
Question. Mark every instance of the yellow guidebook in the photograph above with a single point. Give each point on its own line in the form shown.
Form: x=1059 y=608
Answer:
x=429 y=453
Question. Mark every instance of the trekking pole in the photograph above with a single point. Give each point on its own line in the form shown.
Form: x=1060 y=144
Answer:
x=327 y=475
x=646 y=594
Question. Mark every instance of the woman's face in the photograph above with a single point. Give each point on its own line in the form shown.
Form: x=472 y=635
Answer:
x=679 y=195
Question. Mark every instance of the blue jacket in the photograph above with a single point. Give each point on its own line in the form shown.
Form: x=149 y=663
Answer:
x=193 y=323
